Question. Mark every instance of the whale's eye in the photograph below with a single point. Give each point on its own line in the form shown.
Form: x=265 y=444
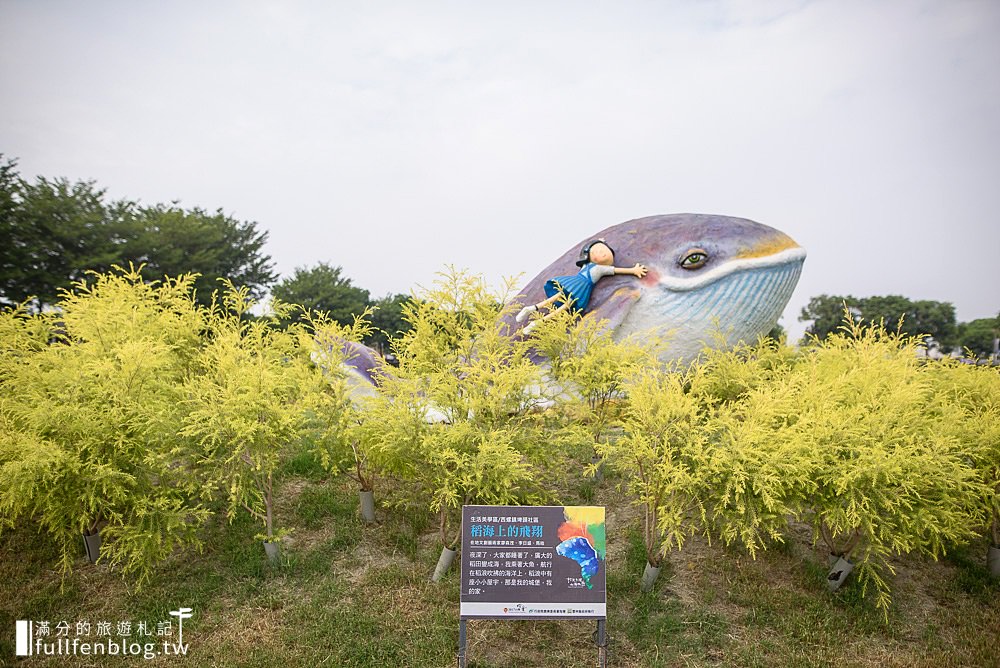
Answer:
x=694 y=259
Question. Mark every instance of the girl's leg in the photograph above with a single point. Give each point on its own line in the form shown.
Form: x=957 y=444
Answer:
x=528 y=310
x=534 y=323
x=562 y=308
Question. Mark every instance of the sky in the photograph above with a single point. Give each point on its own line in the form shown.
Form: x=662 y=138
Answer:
x=396 y=138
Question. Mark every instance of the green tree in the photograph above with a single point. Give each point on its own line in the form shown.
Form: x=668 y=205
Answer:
x=53 y=231
x=170 y=241
x=387 y=322
x=826 y=313
x=323 y=289
x=919 y=318
x=11 y=194
x=978 y=335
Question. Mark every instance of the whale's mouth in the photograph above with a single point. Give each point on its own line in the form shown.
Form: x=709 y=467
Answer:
x=739 y=301
x=787 y=256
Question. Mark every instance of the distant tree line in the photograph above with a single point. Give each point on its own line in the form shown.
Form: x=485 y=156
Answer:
x=933 y=319
x=53 y=231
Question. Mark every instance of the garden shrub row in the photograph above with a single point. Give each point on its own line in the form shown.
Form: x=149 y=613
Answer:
x=133 y=410
x=879 y=451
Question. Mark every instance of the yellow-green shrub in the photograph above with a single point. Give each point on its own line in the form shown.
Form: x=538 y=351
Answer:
x=90 y=400
x=754 y=480
x=888 y=478
x=697 y=454
x=589 y=368
x=256 y=393
x=882 y=454
x=970 y=410
x=661 y=455
x=457 y=421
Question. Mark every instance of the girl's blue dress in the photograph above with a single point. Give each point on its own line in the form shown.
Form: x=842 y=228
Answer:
x=577 y=288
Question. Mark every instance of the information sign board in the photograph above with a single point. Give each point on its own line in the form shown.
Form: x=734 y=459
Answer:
x=533 y=562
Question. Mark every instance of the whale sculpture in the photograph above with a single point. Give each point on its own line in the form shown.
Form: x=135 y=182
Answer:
x=706 y=275
x=361 y=365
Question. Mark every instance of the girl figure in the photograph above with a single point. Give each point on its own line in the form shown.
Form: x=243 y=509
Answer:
x=597 y=260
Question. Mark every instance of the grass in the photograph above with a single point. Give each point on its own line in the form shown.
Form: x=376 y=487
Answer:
x=350 y=594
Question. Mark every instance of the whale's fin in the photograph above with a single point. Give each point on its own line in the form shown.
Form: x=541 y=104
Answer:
x=615 y=308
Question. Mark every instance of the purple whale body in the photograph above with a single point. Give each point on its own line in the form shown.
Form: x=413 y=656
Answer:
x=362 y=364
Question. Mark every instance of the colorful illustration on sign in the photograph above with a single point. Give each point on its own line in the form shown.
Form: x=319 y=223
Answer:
x=583 y=539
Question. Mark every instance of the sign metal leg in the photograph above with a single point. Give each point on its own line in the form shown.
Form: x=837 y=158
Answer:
x=602 y=644
x=462 y=642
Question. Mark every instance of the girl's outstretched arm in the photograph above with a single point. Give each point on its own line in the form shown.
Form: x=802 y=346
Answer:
x=639 y=270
